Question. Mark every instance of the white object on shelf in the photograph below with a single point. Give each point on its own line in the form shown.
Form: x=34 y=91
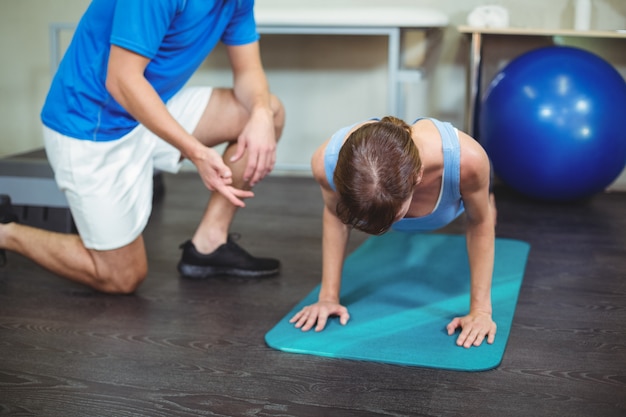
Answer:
x=582 y=15
x=489 y=17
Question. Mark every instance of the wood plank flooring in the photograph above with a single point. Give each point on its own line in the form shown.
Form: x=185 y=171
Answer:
x=180 y=348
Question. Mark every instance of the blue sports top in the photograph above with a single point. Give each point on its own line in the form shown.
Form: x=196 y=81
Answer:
x=176 y=35
x=449 y=205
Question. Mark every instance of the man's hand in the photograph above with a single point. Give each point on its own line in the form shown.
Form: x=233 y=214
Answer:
x=475 y=327
x=318 y=313
x=217 y=176
x=258 y=139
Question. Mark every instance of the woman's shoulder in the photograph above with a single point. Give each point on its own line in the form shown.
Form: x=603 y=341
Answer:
x=474 y=159
x=318 y=167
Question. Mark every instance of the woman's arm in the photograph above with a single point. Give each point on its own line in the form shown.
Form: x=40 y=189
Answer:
x=480 y=236
x=335 y=236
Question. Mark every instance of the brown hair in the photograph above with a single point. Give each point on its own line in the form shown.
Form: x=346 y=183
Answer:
x=376 y=172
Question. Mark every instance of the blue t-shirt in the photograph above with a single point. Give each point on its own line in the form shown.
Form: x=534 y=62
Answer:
x=176 y=35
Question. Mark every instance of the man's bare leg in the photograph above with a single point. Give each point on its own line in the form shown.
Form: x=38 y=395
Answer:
x=210 y=252
x=118 y=271
x=213 y=228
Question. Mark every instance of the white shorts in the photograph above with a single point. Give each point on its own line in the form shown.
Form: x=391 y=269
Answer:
x=108 y=185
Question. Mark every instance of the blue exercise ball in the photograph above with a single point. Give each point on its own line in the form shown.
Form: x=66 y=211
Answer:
x=553 y=122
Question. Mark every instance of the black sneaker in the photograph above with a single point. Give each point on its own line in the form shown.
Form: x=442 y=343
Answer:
x=228 y=259
x=6 y=216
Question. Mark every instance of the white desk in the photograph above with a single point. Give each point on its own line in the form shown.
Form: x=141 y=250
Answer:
x=383 y=21
x=476 y=51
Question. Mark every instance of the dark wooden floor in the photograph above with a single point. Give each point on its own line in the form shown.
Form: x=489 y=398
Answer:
x=180 y=348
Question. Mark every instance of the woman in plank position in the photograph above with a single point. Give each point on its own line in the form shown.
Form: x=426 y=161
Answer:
x=382 y=174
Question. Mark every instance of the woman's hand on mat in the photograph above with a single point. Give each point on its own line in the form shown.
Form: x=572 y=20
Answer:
x=474 y=328
x=318 y=313
x=217 y=176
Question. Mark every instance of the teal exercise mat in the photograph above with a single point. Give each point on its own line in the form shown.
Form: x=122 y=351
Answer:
x=402 y=290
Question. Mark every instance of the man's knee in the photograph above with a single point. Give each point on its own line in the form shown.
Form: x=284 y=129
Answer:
x=279 y=115
x=121 y=282
x=122 y=270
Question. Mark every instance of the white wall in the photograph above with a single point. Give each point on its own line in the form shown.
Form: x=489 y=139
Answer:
x=324 y=81
x=24 y=66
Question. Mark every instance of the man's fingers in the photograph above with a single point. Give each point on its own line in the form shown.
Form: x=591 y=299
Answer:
x=251 y=173
x=238 y=152
x=234 y=195
x=259 y=165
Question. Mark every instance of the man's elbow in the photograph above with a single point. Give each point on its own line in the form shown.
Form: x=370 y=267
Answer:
x=112 y=85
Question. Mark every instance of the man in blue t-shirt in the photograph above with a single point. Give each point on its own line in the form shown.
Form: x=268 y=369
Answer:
x=118 y=109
